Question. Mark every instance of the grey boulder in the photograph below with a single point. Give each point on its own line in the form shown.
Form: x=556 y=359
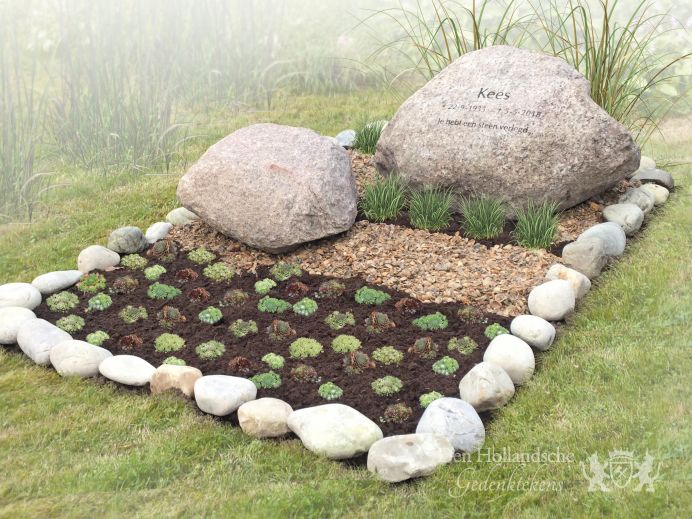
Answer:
x=181 y=216
x=127 y=240
x=513 y=355
x=37 y=337
x=19 y=294
x=346 y=138
x=628 y=216
x=486 y=386
x=455 y=419
x=655 y=176
x=220 y=395
x=53 y=282
x=638 y=197
x=579 y=282
x=127 y=369
x=646 y=163
x=11 y=320
x=97 y=257
x=587 y=255
x=510 y=123
x=157 y=231
x=611 y=234
x=552 y=300
x=77 y=358
x=659 y=193
x=398 y=458
x=264 y=417
x=534 y=331
x=272 y=187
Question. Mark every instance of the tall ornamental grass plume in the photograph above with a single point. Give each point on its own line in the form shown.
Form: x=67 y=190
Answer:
x=536 y=225
x=384 y=198
x=483 y=217
x=431 y=208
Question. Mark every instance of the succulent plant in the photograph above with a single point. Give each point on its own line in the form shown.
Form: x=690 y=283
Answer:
x=70 y=323
x=378 y=322
x=210 y=350
x=124 y=285
x=331 y=289
x=280 y=330
x=305 y=307
x=97 y=338
x=165 y=251
x=388 y=355
x=219 y=272
x=466 y=345
x=273 y=360
x=356 y=361
x=494 y=330
x=397 y=413
x=304 y=373
x=235 y=297
x=263 y=286
x=273 y=305
x=241 y=328
x=211 y=315
x=268 y=380
x=425 y=348
x=154 y=272
x=387 y=386
x=297 y=289
x=407 y=305
x=345 y=343
x=169 y=342
x=133 y=262
x=185 y=275
x=169 y=316
x=330 y=391
x=371 y=296
x=304 y=348
x=62 y=302
x=436 y=321
x=446 y=366
x=338 y=320
x=283 y=271
x=201 y=256
x=162 y=291
x=99 y=303
x=471 y=315
x=428 y=398
x=199 y=295
x=131 y=314
x=174 y=361
x=92 y=283
x=241 y=365
x=131 y=342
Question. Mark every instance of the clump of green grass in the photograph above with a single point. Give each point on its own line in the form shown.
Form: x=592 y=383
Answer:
x=483 y=217
x=430 y=208
x=367 y=136
x=536 y=225
x=384 y=198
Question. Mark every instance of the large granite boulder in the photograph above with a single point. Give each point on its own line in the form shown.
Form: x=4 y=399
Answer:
x=511 y=123
x=272 y=187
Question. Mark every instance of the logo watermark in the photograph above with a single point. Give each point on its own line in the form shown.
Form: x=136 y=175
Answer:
x=621 y=470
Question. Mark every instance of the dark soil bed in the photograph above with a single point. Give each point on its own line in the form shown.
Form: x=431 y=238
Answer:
x=415 y=372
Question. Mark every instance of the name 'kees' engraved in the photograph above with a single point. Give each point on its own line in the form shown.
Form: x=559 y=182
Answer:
x=486 y=93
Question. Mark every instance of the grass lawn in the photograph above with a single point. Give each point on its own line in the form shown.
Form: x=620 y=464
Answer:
x=617 y=379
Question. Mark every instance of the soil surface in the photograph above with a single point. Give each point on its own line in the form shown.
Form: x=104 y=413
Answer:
x=415 y=372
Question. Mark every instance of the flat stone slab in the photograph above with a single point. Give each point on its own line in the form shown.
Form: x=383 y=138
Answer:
x=37 y=337
x=127 y=369
x=513 y=355
x=11 y=320
x=335 y=431
x=220 y=395
x=486 y=386
x=265 y=417
x=97 y=257
x=168 y=376
x=53 y=282
x=553 y=300
x=19 y=294
x=398 y=458
x=77 y=358
x=455 y=419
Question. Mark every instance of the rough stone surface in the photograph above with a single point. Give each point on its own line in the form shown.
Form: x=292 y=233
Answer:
x=346 y=138
x=77 y=358
x=628 y=216
x=53 y=282
x=157 y=231
x=659 y=193
x=97 y=257
x=398 y=458
x=127 y=240
x=127 y=369
x=553 y=300
x=11 y=320
x=265 y=417
x=587 y=255
x=655 y=176
x=611 y=234
x=181 y=216
x=335 y=431
x=486 y=386
x=513 y=355
x=168 y=376
x=579 y=282
x=273 y=187
x=455 y=419
x=19 y=294
x=503 y=121
x=534 y=331
x=220 y=395
x=37 y=337
x=646 y=163
x=638 y=197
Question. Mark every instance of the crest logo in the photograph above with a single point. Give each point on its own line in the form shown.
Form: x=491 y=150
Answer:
x=619 y=471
